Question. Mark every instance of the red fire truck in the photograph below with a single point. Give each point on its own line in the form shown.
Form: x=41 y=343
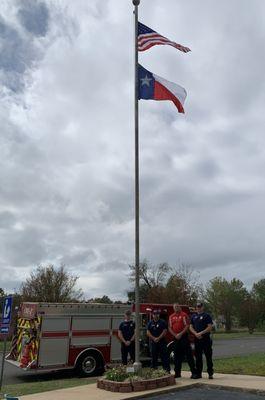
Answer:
x=80 y=336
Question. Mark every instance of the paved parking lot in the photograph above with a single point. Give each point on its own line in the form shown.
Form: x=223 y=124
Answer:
x=238 y=347
x=206 y=393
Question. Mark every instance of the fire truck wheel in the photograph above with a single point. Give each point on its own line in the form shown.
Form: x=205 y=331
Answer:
x=89 y=364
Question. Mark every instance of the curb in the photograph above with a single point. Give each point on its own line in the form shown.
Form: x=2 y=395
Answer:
x=197 y=385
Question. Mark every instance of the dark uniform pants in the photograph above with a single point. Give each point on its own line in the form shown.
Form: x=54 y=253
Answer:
x=160 y=349
x=125 y=350
x=204 y=345
x=182 y=348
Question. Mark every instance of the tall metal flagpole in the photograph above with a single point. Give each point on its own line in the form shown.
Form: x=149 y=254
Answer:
x=137 y=364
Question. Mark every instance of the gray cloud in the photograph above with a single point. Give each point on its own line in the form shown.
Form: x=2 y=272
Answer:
x=18 y=50
x=15 y=56
x=67 y=145
x=34 y=16
x=6 y=219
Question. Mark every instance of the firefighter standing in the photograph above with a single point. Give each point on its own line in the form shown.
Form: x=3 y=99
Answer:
x=126 y=334
x=178 y=327
x=201 y=326
x=156 y=331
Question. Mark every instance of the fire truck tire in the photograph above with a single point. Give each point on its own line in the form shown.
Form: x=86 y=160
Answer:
x=90 y=363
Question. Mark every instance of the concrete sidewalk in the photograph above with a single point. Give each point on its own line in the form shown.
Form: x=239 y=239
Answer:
x=240 y=382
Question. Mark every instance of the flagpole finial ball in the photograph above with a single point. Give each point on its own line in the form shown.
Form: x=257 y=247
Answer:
x=136 y=2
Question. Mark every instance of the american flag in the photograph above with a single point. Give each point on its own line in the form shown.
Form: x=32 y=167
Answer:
x=148 y=38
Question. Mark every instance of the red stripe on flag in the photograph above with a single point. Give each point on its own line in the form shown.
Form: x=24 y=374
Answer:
x=162 y=93
x=144 y=36
x=145 y=41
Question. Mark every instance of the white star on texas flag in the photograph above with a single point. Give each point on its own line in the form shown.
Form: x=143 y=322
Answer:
x=145 y=81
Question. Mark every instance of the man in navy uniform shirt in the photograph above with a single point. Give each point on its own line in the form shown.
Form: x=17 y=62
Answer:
x=201 y=326
x=126 y=335
x=156 y=331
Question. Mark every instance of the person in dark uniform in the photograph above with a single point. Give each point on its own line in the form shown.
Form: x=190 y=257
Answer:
x=178 y=326
x=126 y=334
x=156 y=331
x=201 y=326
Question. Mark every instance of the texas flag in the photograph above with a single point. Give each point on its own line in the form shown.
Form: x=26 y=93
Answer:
x=153 y=87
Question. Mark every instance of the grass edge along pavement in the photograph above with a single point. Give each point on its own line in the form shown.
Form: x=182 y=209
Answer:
x=245 y=365
x=253 y=364
x=22 y=389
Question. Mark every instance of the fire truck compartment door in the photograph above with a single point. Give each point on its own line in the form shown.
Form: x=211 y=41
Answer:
x=54 y=342
x=115 y=342
x=90 y=331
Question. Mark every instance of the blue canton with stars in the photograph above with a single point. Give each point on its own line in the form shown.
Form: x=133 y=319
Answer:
x=143 y=29
x=146 y=83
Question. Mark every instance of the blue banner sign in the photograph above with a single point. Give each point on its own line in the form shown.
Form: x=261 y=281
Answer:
x=4 y=329
x=7 y=308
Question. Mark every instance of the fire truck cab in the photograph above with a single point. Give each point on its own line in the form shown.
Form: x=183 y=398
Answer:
x=80 y=336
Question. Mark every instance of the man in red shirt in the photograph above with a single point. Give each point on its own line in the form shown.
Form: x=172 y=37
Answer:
x=178 y=326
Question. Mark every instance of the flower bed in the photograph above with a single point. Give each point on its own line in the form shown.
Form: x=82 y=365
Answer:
x=117 y=380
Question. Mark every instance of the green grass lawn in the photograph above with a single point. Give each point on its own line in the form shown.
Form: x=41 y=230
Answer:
x=21 y=389
x=236 y=335
x=253 y=364
x=8 y=343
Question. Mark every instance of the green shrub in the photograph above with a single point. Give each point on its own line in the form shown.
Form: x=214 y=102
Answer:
x=157 y=373
x=149 y=373
x=261 y=326
x=119 y=374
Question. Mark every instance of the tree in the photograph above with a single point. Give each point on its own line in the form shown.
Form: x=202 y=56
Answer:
x=152 y=279
x=163 y=284
x=149 y=274
x=258 y=290
x=258 y=293
x=48 y=284
x=183 y=286
x=104 y=300
x=249 y=313
x=225 y=298
x=143 y=293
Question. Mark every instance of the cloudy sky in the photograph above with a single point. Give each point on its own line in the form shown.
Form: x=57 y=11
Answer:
x=67 y=140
